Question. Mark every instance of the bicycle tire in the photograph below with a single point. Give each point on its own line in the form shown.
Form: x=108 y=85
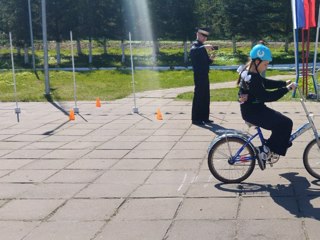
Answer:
x=220 y=153
x=311 y=159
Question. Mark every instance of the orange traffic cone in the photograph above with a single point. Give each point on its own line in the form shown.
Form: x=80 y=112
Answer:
x=98 y=103
x=159 y=114
x=71 y=115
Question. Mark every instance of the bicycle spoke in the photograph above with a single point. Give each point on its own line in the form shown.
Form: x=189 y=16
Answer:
x=224 y=167
x=311 y=159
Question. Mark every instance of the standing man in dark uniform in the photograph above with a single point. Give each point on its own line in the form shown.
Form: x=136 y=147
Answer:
x=200 y=63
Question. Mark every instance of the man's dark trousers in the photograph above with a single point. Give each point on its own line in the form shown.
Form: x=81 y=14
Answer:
x=201 y=99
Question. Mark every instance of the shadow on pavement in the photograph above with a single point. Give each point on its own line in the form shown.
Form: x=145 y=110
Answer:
x=217 y=129
x=51 y=132
x=52 y=102
x=299 y=189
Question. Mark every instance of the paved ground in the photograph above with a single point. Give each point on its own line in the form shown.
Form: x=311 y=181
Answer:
x=114 y=175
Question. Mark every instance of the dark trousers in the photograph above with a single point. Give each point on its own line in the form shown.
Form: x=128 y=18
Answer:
x=201 y=98
x=267 y=118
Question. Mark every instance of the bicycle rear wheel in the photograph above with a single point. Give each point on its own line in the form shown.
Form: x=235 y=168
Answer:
x=221 y=154
x=311 y=159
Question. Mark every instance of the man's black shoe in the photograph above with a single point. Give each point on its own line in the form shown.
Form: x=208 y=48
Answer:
x=208 y=121
x=200 y=123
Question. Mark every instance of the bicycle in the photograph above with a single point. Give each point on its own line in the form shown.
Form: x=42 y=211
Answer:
x=232 y=156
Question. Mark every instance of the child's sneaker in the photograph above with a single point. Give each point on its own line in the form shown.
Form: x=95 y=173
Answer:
x=273 y=158
x=263 y=155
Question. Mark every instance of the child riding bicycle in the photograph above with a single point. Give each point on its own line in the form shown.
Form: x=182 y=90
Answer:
x=254 y=92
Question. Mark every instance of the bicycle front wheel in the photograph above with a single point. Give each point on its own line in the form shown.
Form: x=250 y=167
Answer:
x=311 y=159
x=224 y=166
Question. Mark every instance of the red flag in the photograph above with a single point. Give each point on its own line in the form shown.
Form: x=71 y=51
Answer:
x=309 y=13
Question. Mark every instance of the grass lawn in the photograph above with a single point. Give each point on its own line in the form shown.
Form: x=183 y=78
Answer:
x=223 y=94
x=106 y=84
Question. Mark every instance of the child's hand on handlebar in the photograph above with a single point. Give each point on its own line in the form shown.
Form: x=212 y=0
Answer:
x=292 y=86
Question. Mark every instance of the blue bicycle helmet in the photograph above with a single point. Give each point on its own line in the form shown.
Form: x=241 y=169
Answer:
x=261 y=52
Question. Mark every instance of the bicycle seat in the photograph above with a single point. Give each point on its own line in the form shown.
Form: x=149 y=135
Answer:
x=249 y=124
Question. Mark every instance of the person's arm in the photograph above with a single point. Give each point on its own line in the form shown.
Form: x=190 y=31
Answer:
x=259 y=91
x=200 y=59
x=272 y=84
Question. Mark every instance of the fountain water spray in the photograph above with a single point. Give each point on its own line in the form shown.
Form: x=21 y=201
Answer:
x=134 y=109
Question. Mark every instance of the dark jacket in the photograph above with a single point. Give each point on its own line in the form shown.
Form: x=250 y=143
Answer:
x=257 y=90
x=199 y=58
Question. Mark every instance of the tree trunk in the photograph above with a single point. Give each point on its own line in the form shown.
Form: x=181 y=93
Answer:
x=26 y=57
x=155 y=52
x=58 y=53
x=19 y=51
x=123 y=58
x=286 y=45
x=185 y=46
x=90 y=51
x=253 y=43
x=105 y=51
x=79 y=47
x=234 y=45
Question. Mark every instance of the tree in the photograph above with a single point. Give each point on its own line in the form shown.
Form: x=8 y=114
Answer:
x=58 y=24
x=15 y=19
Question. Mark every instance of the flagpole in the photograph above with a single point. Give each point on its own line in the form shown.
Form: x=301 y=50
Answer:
x=314 y=71
x=296 y=44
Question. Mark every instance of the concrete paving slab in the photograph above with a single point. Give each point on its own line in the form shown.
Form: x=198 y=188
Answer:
x=123 y=177
x=134 y=230
x=15 y=230
x=26 y=153
x=136 y=164
x=27 y=176
x=271 y=229
x=208 y=208
x=160 y=190
x=65 y=230
x=74 y=176
x=202 y=229
x=51 y=191
x=269 y=208
x=14 y=163
x=29 y=209
x=86 y=210
x=108 y=190
x=179 y=164
x=91 y=164
x=148 y=209
x=47 y=164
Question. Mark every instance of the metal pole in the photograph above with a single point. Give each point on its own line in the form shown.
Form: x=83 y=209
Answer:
x=134 y=109
x=314 y=69
x=45 y=47
x=296 y=44
x=75 y=109
x=31 y=37
x=17 y=109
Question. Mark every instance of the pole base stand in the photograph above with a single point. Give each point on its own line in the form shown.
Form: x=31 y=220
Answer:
x=17 y=110
x=135 y=110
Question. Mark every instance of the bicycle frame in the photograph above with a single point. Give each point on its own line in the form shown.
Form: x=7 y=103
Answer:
x=301 y=130
x=237 y=157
